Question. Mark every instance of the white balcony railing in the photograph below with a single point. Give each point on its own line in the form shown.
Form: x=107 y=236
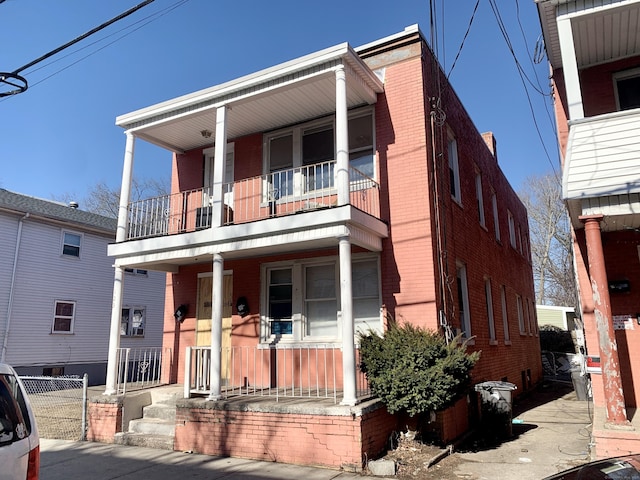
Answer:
x=282 y=371
x=141 y=367
x=280 y=193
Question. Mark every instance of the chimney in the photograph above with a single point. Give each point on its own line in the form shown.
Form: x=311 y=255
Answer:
x=490 y=140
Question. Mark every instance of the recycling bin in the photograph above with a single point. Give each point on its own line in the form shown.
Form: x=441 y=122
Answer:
x=496 y=408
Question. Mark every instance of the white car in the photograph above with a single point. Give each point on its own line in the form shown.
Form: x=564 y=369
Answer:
x=19 y=440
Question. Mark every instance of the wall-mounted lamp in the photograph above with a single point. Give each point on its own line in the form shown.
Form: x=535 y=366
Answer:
x=242 y=306
x=181 y=311
x=206 y=133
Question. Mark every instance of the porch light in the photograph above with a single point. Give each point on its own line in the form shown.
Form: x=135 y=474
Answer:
x=206 y=133
x=180 y=313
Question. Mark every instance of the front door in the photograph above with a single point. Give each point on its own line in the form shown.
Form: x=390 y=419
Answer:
x=203 y=322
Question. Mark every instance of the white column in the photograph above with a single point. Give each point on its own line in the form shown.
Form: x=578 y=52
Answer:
x=118 y=277
x=216 y=327
x=346 y=305
x=125 y=188
x=342 y=138
x=114 y=331
x=570 y=68
x=218 y=166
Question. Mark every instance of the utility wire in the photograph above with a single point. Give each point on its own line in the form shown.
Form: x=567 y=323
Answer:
x=475 y=9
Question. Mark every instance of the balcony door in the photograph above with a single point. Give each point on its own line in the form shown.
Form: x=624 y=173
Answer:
x=203 y=321
x=227 y=186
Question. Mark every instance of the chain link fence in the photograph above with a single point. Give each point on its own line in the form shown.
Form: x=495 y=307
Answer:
x=59 y=405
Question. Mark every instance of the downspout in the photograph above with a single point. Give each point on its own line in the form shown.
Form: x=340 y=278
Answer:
x=5 y=341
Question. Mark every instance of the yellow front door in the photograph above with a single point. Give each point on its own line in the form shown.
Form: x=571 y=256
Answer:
x=203 y=322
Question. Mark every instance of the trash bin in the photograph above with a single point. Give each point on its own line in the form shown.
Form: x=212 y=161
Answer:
x=580 y=384
x=495 y=408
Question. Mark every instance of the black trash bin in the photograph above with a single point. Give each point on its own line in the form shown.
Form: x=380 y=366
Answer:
x=496 y=408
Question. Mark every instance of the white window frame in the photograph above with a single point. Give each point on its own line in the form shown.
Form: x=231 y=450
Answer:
x=496 y=218
x=480 y=199
x=71 y=317
x=454 y=169
x=136 y=271
x=520 y=309
x=512 y=229
x=623 y=75
x=65 y=243
x=299 y=301
x=130 y=333
x=505 y=315
x=463 y=299
x=488 y=295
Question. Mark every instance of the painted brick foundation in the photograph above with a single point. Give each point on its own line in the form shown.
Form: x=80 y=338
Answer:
x=104 y=419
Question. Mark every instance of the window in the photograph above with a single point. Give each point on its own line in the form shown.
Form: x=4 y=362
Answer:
x=521 y=324
x=463 y=300
x=627 y=87
x=132 y=322
x=496 y=220
x=512 y=229
x=480 y=199
x=71 y=244
x=135 y=271
x=280 y=303
x=15 y=422
x=303 y=299
x=489 y=301
x=63 y=317
x=302 y=159
x=505 y=317
x=454 y=173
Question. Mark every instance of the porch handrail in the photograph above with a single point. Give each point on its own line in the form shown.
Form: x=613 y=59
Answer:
x=139 y=368
x=284 y=192
x=277 y=371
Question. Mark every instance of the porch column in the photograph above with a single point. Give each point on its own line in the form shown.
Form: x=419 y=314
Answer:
x=613 y=392
x=342 y=138
x=570 y=68
x=216 y=327
x=218 y=166
x=346 y=305
x=118 y=278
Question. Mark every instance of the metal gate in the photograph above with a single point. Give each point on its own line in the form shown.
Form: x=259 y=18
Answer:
x=59 y=405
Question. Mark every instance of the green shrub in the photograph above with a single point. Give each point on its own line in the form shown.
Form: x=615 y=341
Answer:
x=414 y=370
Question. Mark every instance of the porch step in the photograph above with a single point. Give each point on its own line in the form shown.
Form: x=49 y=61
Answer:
x=160 y=442
x=160 y=411
x=153 y=426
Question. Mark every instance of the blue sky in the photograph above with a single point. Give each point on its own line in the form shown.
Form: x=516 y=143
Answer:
x=59 y=137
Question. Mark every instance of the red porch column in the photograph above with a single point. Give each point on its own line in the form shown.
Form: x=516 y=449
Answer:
x=613 y=393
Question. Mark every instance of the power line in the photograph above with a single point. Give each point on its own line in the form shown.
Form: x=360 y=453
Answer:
x=475 y=9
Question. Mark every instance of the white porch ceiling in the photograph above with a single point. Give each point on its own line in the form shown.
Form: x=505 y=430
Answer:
x=282 y=95
x=603 y=30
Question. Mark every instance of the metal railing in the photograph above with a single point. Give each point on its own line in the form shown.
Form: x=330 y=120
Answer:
x=280 y=193
x=140 y=367
x=281 y=371
x=59 y=405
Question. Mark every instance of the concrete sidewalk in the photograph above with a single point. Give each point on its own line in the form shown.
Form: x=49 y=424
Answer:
x=64 y=460
x=554 y=435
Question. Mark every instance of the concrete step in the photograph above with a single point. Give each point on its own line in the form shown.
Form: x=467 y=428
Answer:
x=161 y=411
x=166 y=395
x=160 y=442
x=153 y=426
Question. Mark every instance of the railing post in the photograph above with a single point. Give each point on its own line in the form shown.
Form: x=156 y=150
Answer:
x=187 y=374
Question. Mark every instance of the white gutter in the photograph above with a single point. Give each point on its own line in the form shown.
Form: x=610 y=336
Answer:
x=5 y=341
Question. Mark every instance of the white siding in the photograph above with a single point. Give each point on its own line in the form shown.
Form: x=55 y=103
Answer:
x=603 y=156
x=44 y=275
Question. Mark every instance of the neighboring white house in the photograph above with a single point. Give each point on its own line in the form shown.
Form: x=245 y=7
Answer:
x=56 y=286
x=561 y=317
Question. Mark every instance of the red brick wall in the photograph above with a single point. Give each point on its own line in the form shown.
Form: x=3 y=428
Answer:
x=104 y=421
x=328 y=441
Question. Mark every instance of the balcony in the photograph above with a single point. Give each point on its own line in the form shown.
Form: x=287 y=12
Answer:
x=278 y=194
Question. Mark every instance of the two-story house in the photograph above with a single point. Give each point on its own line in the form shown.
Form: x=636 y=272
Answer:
x=594 y=53
x=310 y=201
x=56 y=290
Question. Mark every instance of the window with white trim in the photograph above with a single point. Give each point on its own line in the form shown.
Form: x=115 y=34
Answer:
x=512 y=229
x=489 y=302
x=301 y=159
x=132 y=322
x=136 y=271
x=496 y=219
x=71 y=244
x=519 y=306
x=627 y=88
x=480 y=199
x=463 y=300
x=505 y=315
x=63 y=316
x=454 y=172
x=302 y=299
